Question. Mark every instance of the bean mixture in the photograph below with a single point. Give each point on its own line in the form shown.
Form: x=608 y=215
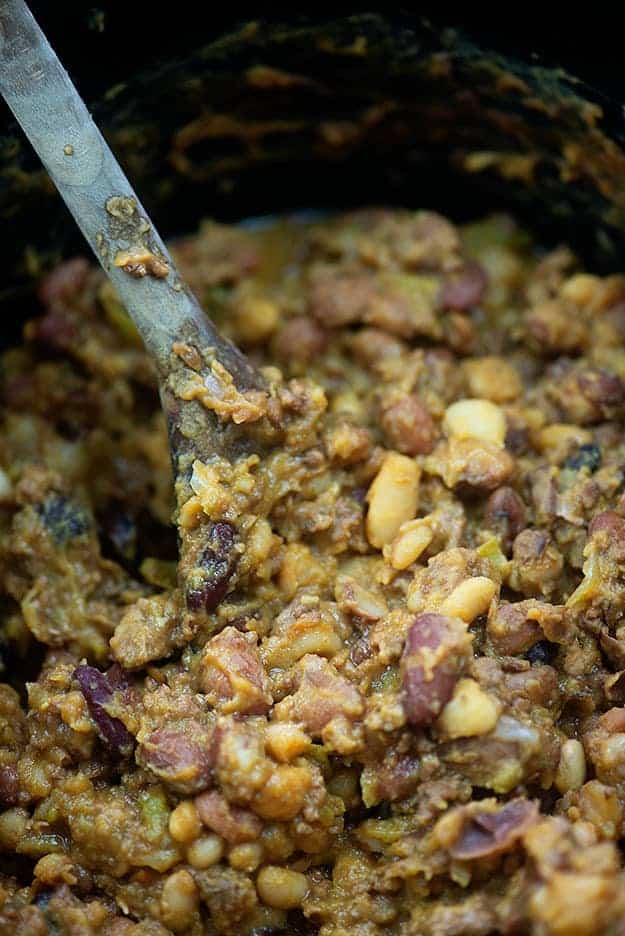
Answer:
x=390 y=697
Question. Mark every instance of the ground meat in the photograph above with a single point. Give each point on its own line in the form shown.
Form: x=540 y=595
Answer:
x=232 y=676
x=229 y=896
x=372 y=345
x=587 y=395
x=538 y=685
x=576 y=888
x=321 y=696
x=515 y=627
x=234 y=824
x=469 y=465
x=62 y=284
x=150 y=630
x=241 y=767
x=340 y=300
x=610 y=528
x=180 y=755
x=555 y=328
x=395 y=778
x=400 y=304
x=300 y=338
x=9 y=786
x=537 y=564
x=381 y=237
x=475 y=916
x=378 y=686
x=221 y=255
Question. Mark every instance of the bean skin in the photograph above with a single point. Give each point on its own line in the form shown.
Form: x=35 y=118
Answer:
x=208 y=581
x=98 y=689
x=427 y=685
x=506 y=515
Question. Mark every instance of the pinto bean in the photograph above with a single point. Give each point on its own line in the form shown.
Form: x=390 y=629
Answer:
x=465 y=287
x=434 y=654
x=408 y=426
x=506 y=515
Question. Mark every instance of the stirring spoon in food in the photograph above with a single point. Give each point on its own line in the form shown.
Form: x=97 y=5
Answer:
x=209 y=390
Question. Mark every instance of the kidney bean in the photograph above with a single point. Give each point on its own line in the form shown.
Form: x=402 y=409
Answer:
x=208 y=581
x=98 y=690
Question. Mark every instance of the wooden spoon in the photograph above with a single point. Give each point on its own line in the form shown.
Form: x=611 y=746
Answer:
x=209 y=390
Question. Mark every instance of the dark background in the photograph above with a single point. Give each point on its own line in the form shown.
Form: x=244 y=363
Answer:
x=588 y=41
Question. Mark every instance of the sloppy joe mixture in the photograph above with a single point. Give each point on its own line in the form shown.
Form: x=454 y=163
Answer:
x=388 y=697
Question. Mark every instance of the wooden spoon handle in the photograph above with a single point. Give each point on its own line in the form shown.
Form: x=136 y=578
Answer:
x=53 y=116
